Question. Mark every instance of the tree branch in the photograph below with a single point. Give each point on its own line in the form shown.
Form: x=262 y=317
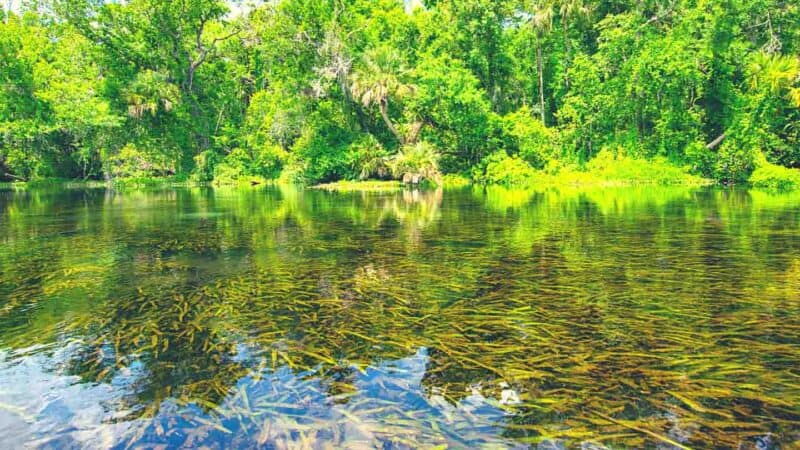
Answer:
x=713 y=144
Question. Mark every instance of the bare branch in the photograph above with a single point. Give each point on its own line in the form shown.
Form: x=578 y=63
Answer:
x=713 y=144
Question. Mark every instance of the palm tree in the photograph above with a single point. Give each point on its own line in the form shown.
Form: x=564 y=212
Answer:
x=542 y=21
x=769 y=76
x=794 y=96
x=569 y=10
x=381 y=77
x=7 y=10
x=149 y=92
x=773 y=72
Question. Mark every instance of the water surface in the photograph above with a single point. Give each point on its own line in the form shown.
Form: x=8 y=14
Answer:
x=283 y=318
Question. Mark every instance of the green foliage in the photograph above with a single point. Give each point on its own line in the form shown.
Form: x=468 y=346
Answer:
x=702 y=160
x=454 y=180
x=265 y=163
x=449 y=98
x=420 y=159
x=331 y=90
x=617 y=167
x=367 y=158
x=534 y=142
x=322 y=155
x=734 y=162
x=54 y=121
x=773 y=177
x=149 y=93
x=133 y=162
x=500 y=168
x=607 y=168
x=205 y=164
x=274 y=115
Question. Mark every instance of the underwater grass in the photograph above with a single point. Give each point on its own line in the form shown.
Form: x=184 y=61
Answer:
x=623 y=318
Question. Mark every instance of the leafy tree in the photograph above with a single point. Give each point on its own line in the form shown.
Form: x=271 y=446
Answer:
x=326 y=90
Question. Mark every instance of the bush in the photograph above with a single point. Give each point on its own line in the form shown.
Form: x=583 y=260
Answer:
x=293 y=173
x=132 y=162
x=615 y=166
x=241 y=165
x=268 y=161
x=500 y=168
x=777 y=178
x=204 y=165
x=367 y=158
x=453 y=180
x=534 y=142
x=21 y=165
x=227 y=174
x=323 y=154
x=418 y=159
x=734 y=163
x=275 y=115
x=700 y=158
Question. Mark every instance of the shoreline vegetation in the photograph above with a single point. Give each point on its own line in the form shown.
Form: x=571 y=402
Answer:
x=504 y=92
x=604 y=172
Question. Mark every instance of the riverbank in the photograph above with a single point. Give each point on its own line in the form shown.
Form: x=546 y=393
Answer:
x=506 y=173
x=653 y=176
x=364 y=186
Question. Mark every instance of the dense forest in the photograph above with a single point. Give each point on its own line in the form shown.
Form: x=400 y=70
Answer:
x=310 y=91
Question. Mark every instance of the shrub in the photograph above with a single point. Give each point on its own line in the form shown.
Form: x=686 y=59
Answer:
x=240 y=165
x=615 y=166
x=454 y=180
x=204 y=165
x=132 y=162
x=419 y=159
x=275 y=115
x=700 y=158
x=293 y=173
x=734 y=163
x=268 y=161
x=500 y=168
x=535 y=143
x=367 y=158
x=773 y=177
x=22 y=164
x=323 y=154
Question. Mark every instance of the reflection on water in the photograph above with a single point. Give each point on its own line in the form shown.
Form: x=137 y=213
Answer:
x=285 y=318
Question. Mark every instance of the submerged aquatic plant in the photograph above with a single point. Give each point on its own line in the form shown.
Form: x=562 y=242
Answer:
x=275 y=317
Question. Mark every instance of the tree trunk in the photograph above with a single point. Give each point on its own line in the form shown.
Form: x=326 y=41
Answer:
x=384 y=107
x=414 y=131
x=11 y=175
x=713 y=144
x=567 y=51
x=540 y=69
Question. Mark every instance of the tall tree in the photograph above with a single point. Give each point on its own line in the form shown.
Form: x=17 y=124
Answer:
x=570 y=10
x=541 y=20
x=380 y=77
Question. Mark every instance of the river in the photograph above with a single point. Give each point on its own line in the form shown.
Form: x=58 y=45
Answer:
x=474 y=318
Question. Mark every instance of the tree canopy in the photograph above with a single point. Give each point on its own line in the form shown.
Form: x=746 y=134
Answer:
x=317 y=91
